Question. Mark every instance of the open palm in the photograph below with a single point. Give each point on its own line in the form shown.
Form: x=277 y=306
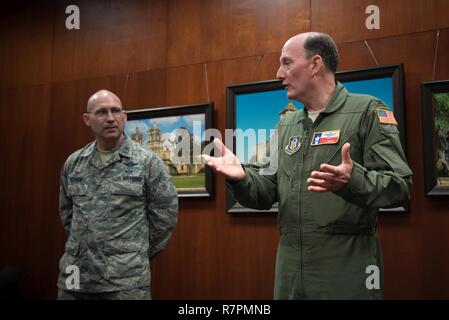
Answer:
x=226 y=163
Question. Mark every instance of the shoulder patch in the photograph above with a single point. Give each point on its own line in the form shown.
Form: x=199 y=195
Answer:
x=386 y=117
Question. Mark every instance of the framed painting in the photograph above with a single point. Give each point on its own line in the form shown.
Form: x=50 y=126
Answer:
x=261 y=105
x=435 y=125
x=176 y=135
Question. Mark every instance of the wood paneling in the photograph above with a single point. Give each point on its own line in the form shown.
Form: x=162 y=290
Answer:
x=26 y=44
x=28 y=221
x=202 y=30
x=114 y=37
x=345 y=20
x=354 y=55
x=442 y=62
x=145 y=90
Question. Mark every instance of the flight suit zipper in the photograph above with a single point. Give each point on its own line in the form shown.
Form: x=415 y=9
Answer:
x=303 y=153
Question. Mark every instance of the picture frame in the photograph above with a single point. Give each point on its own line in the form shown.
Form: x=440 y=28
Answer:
x=246 y=99
x=435 y=126
x=162 y=130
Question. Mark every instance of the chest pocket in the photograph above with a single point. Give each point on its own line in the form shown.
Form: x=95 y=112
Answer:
x=77 y=189
x=331 y=153
x=129 y=185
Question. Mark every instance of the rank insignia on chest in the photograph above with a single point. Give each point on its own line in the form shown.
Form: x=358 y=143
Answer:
x=293 y=145
x=386 y=117
x=325 y=137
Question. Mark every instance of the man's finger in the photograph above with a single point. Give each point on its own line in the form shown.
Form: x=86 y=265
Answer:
x=317 y=189
x=211 y=163
x=220 y=147
x=318 y=182
x=207 y=158
x=323 y=175
x=330 y=169
x=345 y=156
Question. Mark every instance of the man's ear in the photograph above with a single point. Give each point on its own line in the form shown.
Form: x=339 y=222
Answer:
x=86 y=119
x=317 y=64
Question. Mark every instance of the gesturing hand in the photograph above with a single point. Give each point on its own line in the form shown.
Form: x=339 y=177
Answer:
x=226 y=163
x=332 y=178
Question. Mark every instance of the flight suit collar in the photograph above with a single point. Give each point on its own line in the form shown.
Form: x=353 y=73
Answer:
x=337 y=100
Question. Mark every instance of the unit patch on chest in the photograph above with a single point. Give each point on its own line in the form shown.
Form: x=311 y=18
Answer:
x=293 y=145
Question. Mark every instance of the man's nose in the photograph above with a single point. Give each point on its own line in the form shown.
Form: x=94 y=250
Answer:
x=280 y=74
x=110 y=116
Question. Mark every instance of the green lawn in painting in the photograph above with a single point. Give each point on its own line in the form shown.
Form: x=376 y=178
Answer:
x=186 y=182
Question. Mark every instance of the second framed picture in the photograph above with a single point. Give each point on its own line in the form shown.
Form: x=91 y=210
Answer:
x=163 y=130
x=435 y=118
x=261 y=105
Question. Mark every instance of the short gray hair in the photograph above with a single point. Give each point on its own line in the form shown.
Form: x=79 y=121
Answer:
x=323 y=45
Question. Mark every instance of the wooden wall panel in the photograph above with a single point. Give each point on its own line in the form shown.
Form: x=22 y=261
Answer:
x=354 y=55
x=442 y=62
x=27 y=221
x=26 y=44
x=345 y=20
x=145 y=90
x=114 y=37
x=202 y=30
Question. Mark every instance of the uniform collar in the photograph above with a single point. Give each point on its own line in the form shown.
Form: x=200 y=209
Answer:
x=336 y=100
x=124 y=149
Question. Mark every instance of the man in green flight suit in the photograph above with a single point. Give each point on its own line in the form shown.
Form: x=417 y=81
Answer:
x=118 y=207
x=339 y=160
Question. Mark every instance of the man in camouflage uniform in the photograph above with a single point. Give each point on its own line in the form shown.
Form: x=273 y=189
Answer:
x=340 y=160
x=118 y=207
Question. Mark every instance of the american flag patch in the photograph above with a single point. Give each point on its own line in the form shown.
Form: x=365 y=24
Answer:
x=325 y=137
x=386 y=117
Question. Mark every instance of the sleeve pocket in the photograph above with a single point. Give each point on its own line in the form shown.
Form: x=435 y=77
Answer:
x=392 y=158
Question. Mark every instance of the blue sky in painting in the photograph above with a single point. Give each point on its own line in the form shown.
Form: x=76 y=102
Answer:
x=381 y=88
x=261 y=110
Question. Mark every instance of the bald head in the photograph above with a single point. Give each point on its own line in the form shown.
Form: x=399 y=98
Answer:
x=298 y=40
x=103 y=96
x=317 y=43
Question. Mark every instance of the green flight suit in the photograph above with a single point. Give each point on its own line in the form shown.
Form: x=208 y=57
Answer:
x=328 y=244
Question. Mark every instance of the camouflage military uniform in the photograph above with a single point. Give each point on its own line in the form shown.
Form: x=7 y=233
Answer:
x=142 y=293
x=328 y=240
x=117 y=216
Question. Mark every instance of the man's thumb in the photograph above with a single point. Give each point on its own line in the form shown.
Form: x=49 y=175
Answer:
x=345 y=156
